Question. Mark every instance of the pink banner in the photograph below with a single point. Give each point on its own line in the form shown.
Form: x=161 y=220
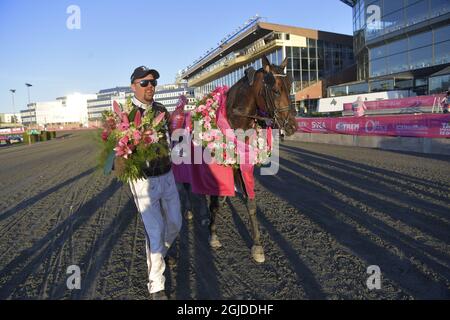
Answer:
x=424 y=125
x=11 y=130
x=411 y=102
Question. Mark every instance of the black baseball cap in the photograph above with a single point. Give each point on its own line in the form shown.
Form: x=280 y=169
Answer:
x=142 y=72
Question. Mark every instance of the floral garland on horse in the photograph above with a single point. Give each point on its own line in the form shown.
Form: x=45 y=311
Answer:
x=223 y=144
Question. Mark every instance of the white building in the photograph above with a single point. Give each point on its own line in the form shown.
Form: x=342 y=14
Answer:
x=70 y=109
x=169 y=94
x=10 y=118
x=104 y=100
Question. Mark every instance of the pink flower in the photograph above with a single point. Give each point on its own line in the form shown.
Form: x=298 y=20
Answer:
x=207 y=136
x=122 y=149
x=105 y=135
x=137 y=137
x=117 y=109
x=124 y=126
x=217 y=135
x=137 y=119
x=158 y=119
x=110 y=123
x=219 y=94
x=150 y=137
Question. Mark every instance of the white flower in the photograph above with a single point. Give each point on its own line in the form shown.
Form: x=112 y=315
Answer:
x=261 y=141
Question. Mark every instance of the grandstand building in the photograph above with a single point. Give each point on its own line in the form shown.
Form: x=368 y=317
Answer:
x=313 y=55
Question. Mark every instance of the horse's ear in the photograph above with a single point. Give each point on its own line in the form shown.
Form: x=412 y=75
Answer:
x=266 y=64
x=284 y=63
x=250 y=74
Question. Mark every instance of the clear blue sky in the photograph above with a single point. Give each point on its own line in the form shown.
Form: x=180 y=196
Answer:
x=116 y=36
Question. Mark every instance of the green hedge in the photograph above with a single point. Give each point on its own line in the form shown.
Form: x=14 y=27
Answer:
x=43 y=136
x=29 y=138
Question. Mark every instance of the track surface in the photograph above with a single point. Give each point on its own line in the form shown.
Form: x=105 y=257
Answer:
x=328 y=214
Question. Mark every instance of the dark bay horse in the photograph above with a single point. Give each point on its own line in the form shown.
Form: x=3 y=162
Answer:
x=261 y=95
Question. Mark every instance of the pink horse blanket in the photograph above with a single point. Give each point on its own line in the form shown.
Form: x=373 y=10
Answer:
x=214 y=179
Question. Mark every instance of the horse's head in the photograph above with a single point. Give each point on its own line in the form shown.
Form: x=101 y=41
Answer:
x=274 y=88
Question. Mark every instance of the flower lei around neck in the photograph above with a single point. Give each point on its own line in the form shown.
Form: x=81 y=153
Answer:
x=134 y=139
x=225 y=150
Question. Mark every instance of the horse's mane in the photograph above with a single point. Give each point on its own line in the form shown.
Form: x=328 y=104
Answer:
x=238 y=90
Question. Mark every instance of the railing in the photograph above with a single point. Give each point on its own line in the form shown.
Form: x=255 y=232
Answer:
x=251 y=50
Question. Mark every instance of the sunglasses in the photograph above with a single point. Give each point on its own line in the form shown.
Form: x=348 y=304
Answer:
x=144 y=83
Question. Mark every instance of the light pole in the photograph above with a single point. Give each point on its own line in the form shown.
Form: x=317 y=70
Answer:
x=13 y=91
x=28 y=89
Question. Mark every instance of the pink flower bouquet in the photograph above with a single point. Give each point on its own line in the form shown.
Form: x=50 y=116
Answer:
x=133 y=137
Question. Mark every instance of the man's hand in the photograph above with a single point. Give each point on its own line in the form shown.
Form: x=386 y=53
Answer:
x=119 y=166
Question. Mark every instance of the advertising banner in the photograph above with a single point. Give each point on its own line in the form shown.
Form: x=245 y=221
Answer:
x=11 y=130
x=428 y=125
x=405 y=103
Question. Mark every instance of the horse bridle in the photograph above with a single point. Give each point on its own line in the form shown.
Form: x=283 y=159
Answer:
x=274 y=112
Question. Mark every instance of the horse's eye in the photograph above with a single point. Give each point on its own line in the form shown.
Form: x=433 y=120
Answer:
x=276 y=92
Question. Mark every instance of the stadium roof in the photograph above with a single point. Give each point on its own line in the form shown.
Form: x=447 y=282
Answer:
x=351 y=3
x=258 y=31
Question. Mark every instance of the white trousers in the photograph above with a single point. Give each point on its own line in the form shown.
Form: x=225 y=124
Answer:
x=161 y=226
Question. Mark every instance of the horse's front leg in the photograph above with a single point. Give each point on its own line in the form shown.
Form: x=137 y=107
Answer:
x=257 y=248
x=214 y=208
x=186 y=187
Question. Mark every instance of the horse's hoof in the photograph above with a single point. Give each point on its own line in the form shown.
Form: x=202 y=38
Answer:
x=258 y=254
x=189 y=215
x=214 y=242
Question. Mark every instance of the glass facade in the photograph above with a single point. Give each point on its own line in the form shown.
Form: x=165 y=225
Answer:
x=380 y=17
x=374 y=22
x=319 y=59
x=306 y=65
x=381 y=85
x=439 y=84
x=348 y=89
x=417 y=51
x=377 y=86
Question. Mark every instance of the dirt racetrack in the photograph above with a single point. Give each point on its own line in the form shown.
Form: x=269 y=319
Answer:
x=328 y=214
